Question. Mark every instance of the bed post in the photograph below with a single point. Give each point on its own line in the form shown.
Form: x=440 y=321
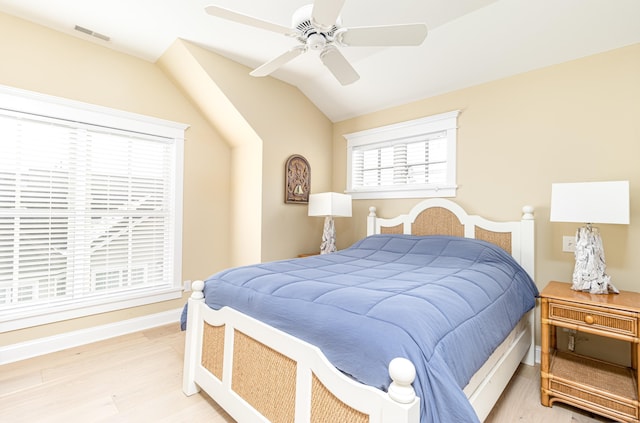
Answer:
x=527 y=260
x=402 y=373
x=371 y=221
x=193 y=339
x=527 y=241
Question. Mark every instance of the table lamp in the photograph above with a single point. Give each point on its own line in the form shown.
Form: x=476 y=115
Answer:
x=329 y=205
x=589 y=203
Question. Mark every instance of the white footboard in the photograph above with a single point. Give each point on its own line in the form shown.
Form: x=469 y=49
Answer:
x=258 y=373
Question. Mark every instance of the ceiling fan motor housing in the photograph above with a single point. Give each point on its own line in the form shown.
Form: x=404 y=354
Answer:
x=315 y=38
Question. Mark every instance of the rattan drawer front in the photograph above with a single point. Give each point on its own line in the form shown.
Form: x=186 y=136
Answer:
x=611 y=321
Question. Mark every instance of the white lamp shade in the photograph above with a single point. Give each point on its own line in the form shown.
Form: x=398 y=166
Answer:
x=590 y=202
x=330 y=204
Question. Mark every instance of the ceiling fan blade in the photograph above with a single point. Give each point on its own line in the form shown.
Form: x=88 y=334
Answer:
x=387 y=35
x=339 y=66
x=325 y=13
x=248 y=20
x=274 y=64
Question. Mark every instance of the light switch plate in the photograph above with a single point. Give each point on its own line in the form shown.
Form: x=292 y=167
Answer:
x=569 y=244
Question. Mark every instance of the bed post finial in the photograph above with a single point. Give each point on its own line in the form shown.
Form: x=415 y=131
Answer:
x=372 y=211
x=527 y=213
x=197 y=287
x=403 y=373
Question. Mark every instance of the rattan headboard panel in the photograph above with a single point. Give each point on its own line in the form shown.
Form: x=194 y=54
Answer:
x=441 y=221
x=437 y=221
x=501 y=239
x=398 y=229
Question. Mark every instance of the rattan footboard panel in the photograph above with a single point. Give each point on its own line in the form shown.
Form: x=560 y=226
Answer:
x=264 y=378
x=325 y=407
x=213 y=349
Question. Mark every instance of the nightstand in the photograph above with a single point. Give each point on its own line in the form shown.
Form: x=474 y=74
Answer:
x=595 y=385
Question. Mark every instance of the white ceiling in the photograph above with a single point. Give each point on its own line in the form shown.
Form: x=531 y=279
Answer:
x=469 y=41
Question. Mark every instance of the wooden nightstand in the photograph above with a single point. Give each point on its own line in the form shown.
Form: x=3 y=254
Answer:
x=595 y=385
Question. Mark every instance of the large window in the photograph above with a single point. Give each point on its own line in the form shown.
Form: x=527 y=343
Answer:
x=90 y=209
x=410 y=159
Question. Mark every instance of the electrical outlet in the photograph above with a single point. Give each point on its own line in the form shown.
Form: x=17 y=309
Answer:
x=569 y=244
x=572 y=343
x=186 y=286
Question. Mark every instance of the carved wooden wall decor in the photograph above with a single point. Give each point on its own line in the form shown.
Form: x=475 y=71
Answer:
x=297 y=180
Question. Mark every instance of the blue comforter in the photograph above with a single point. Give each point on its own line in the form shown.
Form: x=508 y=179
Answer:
x=445 y=303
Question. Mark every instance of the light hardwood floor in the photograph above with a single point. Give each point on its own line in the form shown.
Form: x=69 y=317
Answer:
x=138 y=378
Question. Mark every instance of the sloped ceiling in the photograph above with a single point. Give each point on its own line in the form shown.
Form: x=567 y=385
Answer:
x=469 y=41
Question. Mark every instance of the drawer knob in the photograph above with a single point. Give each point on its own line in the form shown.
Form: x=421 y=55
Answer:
x=588 y=319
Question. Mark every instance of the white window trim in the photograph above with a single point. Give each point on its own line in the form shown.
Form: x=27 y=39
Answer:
x=404 y=130
x=18 y=100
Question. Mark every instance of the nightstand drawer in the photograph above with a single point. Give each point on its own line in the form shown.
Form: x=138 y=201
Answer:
x=594 y=318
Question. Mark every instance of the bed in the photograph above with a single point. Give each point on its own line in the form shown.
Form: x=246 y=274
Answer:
x=265 y=354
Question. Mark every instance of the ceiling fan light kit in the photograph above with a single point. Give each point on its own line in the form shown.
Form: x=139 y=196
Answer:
x=318 y=27
x=316 y=41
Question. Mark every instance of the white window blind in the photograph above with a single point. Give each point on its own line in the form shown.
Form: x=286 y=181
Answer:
x=87 y=214
x=401 y=163
x=411 y=159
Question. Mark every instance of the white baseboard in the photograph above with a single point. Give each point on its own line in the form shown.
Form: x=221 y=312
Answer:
x=41 y=346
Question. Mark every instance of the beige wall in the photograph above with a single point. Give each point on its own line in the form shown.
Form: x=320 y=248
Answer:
x=188 y=66
x=578 y=121
x=278 y=121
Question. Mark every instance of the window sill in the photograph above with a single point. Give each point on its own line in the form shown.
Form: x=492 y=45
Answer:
x=444 y=192
x=44 y=314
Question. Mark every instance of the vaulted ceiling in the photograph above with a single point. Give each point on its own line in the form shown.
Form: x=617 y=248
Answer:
x=469 y=41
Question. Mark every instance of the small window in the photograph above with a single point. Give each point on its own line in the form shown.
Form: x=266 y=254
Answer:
x=406 y=160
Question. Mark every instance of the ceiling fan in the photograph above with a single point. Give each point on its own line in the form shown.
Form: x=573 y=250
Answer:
x=318 y=26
